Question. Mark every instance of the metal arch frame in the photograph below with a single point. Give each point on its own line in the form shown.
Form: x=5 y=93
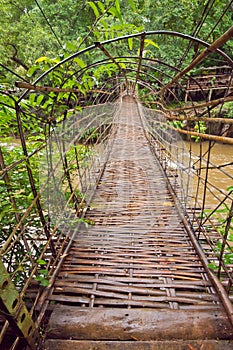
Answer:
x=109 y=61
x=142 y=35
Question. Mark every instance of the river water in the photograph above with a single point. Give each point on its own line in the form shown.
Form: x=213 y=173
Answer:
x=219 y=179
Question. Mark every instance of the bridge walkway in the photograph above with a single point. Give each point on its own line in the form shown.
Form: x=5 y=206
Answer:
x=132 y=279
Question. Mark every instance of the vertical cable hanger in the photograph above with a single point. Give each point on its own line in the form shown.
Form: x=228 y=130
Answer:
x=47 y=21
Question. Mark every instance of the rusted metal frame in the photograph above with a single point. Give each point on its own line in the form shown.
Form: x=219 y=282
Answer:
x=114 y=88
x=12 y=199
x=209 y=108
x=4 y=249
x=155 y=79
x=156 y=69
x=215 y=229
x=67 y=247
x=4 y=330
x=8 y=185
x=72 y=190
x=219 y=167
x=168 y=146
x=212 y=246
x=224 y=238
x=102 y=48
x=218 y=206
x=205 y=187
x=52 y=89
x=149 y=33
x=208 y=217
x=218 y=286
x=56 y=268
x=141 y=49
x=211 y=48
x=221 y=100
x=31 y=179
x=15 y=310
x=65 y=163
x=11 y=166
x=66 y=169
x=201 y=179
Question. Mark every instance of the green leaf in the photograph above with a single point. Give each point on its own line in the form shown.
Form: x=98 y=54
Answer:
x=43 y=272
x=80 y=62
x=70 y=47
x=44 y=283
x=151 y=42
x=101 y=6
x=115 y=13
x=39 y=99
x=32 y=70
x=32 y=97
x=94 y=8
x=230 y=188
x=131 y=2
x=212 y=266
x=118 y=6
x=104 y=23
x=130 y=43
x=41 y=262
x=42 y=59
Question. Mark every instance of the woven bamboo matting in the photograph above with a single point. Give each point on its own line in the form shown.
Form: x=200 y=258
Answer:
x=137 y=254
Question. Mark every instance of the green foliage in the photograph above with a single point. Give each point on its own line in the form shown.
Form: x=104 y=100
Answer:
x=8 y=125
x=42 y=274
x=199 y=127
x=20 y=187
x=229 y=109
x=178 y=124
x=221 y=249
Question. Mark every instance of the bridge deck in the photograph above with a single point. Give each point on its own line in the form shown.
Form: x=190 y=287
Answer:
x=134 y=274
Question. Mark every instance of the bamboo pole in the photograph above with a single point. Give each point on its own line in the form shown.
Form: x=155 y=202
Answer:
x=205 y=104
x=197 y=119
x=216 y=138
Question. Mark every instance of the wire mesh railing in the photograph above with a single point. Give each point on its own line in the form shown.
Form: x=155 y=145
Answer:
x=202 y=187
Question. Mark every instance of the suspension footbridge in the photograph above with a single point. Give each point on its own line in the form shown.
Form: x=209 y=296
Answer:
x=124 y=242
x=135 y=272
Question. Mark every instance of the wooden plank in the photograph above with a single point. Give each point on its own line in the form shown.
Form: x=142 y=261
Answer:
x=69 y=322
x=58 y=344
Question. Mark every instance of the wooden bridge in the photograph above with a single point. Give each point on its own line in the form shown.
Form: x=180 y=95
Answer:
x=117 y=246
x=135 y=274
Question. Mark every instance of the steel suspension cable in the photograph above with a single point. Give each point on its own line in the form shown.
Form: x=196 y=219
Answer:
x=12 y=72
x=198 y=27
x=220 y=18
x=47 y=21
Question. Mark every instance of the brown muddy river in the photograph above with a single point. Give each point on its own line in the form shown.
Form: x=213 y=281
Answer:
x=219 y=179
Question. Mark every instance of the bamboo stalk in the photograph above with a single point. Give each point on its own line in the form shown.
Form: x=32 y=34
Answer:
x=204 y=104
x=217 y=138
x=207 y=119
